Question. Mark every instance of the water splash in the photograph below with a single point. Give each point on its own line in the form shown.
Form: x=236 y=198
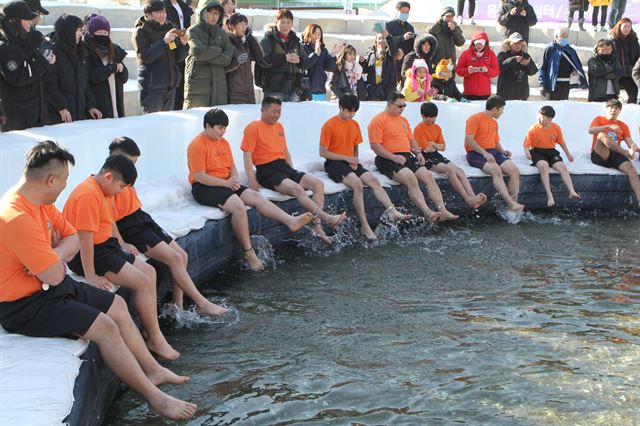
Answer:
x=190 y=318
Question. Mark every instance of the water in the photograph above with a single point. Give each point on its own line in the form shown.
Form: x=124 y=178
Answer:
x=480 y=322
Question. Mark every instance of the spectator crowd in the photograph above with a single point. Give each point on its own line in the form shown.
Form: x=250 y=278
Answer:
x=207 y=55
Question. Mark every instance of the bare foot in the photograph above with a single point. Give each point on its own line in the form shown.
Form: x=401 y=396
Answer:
x=432 y=216
x=173 y=408
x=179 y=305
x=397 y=216
x=211 y=309
x=162 y=348
x=300 y=221
x=164 y=376
x=575 y=196
x=447 y=215
x=551 y=202
x=252 y=259
x=319 y=232
x=368 y=233
x=477 y=201
x=336 y=219
x=516 y=207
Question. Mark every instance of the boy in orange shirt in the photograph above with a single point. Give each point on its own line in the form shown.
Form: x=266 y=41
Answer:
x=606 y=150
x=391 y=139
x=39 y=299
x=429 y=136
x=137 y=227
x=104 y=258
x=540 y=148
x=214 y=182
x=339 y=140
x=265 y=147
x=484 y=151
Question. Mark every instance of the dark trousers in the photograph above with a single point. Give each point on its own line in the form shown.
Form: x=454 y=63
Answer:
x=472 y=7
x=583 y=7
x=561 y=93
x=157 y=100
x=629 y=85
x=603 y=15
x=180 y=89
x=617 y=11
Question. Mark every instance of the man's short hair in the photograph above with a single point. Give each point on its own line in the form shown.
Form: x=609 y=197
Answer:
x=495 y=101
x=547 y=111
x=270 y=100
x=121 y=167
x=559 y=31
x=402 y=4
x=394 y=96
x=350 y=102
x=284 y=14
x=217 y=7
x=236 y=18
x=44 y=157
x=215 y=117
x=429 y=109
x=124 y=145
x=602 y=43
x=153 y=6
x=614 y=103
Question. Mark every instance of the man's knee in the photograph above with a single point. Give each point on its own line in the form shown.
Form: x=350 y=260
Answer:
x=543 y=166
x=104 y=327
x=355 y=184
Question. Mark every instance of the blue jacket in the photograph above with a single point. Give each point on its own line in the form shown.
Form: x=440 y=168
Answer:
x=320 y=65
x=551 y=62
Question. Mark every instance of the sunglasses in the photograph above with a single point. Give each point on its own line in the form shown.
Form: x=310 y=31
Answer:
x=401 y=106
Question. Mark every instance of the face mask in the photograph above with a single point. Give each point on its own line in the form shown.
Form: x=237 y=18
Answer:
x=101 y=40
x=606 y=57
x=404 y=17
x=564 y=42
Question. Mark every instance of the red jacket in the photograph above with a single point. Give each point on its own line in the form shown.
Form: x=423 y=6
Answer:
x=479 y=83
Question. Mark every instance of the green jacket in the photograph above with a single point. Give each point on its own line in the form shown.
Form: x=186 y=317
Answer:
x=209 y=52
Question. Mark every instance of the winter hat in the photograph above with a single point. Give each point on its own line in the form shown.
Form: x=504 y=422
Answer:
x=97 y=23
x=36 y=6
x=447 y=11
x=515 y=38
x=18 y=10
x=420 y=63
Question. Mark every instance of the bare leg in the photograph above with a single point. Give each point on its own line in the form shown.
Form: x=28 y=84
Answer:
x=268 y=209
x=543 y=167
x=566 y=178
x=383 y=198
x=141 y=278
x=435 y=195
x=511 y=170
x=289 y=187
x=460 y=183
x=240 y=225
x=177 y=295
x=493 y=170
x=354 y=182
x=104 y=331
x=628 y=169
x=176 y=261
x=407 y=178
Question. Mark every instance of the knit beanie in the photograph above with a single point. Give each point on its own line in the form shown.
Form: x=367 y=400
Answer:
x=96 y=23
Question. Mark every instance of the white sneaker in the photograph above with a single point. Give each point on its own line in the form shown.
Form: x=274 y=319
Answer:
x=472 y=21
x=459 y=19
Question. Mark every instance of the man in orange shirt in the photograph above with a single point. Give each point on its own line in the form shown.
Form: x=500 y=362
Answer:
x=484 y=151
x=137 y=227
x=391 y=139
x=214 y=182
x=39 y=299
x=606 y=150
x=540 y=148
x=104 y=257
x=265 y=147
x=339 y=140
x=429 y=137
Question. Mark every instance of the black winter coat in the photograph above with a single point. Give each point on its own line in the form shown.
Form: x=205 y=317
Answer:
x=396 y=30
x=239 y=76
x=340 y=85
x=157 y=62
x=601 y=71
x=517 y=23
x=513 y=81
x=99 y=77
x=380 y=91
x=172 y=14
x=319 y=66
x=627 y=51
x=282 y=76
x=447 y=41
x=418 y=53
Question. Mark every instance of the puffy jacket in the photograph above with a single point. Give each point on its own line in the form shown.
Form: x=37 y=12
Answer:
x=418 y=53
x=157 y=62
x=479 y=83
x=239 y=76
x=602 y=71
x=99 y=77
x=319 y=66
x=513 y=81
x=447 y=41
x=282 y=76
x=517 y=23
x=627 y=50
x=380 y=91
x=548 y=72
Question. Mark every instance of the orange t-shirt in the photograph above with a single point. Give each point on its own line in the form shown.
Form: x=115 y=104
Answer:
x=539 y=137
x=394 y=133
x=214 y=157
x=88 y=209
x=425 y=134
x=340 y=136
x=265 y=141
x=126 y=202
x=484 y=130
x=25 y=242
x=617 y=136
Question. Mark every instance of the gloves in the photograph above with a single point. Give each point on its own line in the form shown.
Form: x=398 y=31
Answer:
x=243 y=57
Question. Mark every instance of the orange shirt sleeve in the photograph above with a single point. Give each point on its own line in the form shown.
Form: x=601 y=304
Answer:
x=440 y=138
x=472 y=125
x=59 y=223
x=326 y=134
x=249 y=138
x=87 y=213
x=196 y=156
x=625 y=130
x=30 y=245
x=358 y=133
x=375 y=130
x=528 y=140
x=409 y=134
x=560 y=135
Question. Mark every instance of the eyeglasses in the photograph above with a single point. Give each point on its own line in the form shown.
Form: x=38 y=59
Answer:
x=401 y=106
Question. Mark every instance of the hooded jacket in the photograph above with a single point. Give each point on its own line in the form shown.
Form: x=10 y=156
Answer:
x=239 y=76
x=282 y=76
x=417 y=52
x=478 y=83
x=603 y=70
x=69 y=86
x=517 y=23
x=21 y=70
x=548 y=73
x=99 y=77
x=380 y=91
x=447 y=41
x=157 y=62
x=513 y=81
x=209 y=52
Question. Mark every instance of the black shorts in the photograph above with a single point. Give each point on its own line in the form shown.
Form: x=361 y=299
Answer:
x=614 y=161
x=214 y=196
x=338 y=170
x=107 y=257
x=551 y=156
x=272 y=174
x=390 y=168
x=141 y=230
x=433 y=159
x=66 y=310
